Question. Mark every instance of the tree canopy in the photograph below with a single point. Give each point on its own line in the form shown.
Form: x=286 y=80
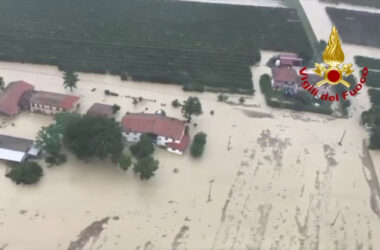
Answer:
x=192 y=106
x=26 y=173
x=143 y=148
x=198 y=145
x=125 y=161
x=146 y=167
x=70 y=79
x=90 y=136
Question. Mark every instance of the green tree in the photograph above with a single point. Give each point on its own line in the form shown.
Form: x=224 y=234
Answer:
x=198 y=145
x=192 y=106
x=26 y=173
x=91 y=136
x=175 y=103
x=70 y=79
x=63 y=119
x=125 y=161
x=49 y=140
x=146 y=167
x=115 y=108
x=2 y=83
x=143 y=148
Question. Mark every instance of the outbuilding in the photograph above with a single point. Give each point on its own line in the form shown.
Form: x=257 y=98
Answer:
x=16 y=149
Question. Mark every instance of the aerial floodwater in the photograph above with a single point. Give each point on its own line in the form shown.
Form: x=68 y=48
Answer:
x=270 y=175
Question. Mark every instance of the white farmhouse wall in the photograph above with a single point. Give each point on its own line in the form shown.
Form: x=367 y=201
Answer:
x=176 y=151
x=162 y=141
x=132 y=136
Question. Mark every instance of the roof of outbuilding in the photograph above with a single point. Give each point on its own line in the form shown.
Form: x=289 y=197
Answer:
x=9 y=99
x=15 y=143
x=155 y=124
x=182 y=145
x=100 y=109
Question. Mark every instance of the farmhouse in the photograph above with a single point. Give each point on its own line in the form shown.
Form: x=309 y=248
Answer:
x=289 y=60
x=100 y=109
x=166 y=131
x=52 y=103
x=16 y=149
x=11 y=97
x=285 y=79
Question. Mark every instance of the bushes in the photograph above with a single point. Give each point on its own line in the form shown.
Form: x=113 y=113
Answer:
x=198 y=145
x=25 y=172
x=110 y=93
x=176 y=103
x=193 y=87
x=374 y=96
x=125 y=161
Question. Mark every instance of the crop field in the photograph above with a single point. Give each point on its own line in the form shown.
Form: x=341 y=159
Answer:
x=149 y=40
x=356 y=27
x=369 y=3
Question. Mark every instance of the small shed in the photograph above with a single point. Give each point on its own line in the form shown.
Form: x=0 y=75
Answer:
x=100 y=109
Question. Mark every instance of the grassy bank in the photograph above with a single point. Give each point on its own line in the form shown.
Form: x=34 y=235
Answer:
x=159 y=41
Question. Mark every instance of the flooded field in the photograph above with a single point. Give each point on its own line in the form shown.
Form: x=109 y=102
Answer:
x=269 y=178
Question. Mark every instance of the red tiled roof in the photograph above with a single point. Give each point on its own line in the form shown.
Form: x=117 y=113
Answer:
x=54 y=99
x=155 y=124
x=182 y=145
x=284 y=75
x=11 y=96
x=100 y=109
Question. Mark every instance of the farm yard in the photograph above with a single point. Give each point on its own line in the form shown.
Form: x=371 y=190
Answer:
x=356 y=27
x=157 y=41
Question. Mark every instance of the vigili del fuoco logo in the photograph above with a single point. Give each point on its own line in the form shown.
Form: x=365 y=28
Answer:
x=333 y=56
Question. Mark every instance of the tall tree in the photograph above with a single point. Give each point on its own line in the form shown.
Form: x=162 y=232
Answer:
x=146 y=167
x=192 y=106
x=143 y=148
x=198 y=145
x=48 y=139
x=2 y=83
x=90 y=136
x=70 y=79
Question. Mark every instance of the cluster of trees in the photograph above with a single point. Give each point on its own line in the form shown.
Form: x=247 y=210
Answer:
x=372 y=119
x=369 y=62
x=145 y=165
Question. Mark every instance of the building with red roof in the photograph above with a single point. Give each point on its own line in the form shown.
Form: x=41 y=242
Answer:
x=167 y=131
x=52 y=103
x=290 y=60
x=12 y=95
x=285 y=79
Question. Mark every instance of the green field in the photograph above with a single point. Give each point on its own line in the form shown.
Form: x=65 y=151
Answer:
x=356 y=27
x=149 y=40
x=369 y=3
